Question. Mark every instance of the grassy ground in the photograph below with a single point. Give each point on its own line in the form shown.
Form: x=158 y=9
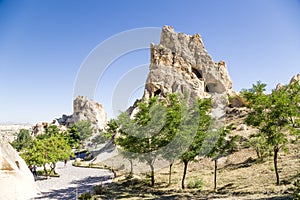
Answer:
x=240 y=176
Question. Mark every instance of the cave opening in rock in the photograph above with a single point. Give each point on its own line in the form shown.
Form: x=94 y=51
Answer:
x=157 y=92
x=206 y=89
x=197 y=72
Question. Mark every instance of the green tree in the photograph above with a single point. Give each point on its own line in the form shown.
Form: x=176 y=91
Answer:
x=276 y=115
x=51 y=148
x=141 y=136
x=221 y=147
x=78 y=132
x=174 y=112
x=199 y=112
x=23 y=140
x=259 y=144
x=101 y=137
x=112 y=127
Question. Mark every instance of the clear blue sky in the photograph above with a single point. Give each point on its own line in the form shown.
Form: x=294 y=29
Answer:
x=43 y=44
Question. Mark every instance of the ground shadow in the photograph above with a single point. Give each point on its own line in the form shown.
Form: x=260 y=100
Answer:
x=78 y=187
x=140 y=189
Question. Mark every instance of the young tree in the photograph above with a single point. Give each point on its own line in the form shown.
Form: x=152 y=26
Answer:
x=142 y=135
x=275 y=115
x=23 y=140
x=221 y=147
x=174 y=112
x=199 y=112
x=79 y=132
x=82 y=128
x=48 y=148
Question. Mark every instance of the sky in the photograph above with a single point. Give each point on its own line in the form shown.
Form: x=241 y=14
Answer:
x=44 y=44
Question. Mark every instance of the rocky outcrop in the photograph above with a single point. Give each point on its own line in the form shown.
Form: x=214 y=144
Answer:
x=86 y=109
x=16 y=180
x=295 y=78
x=180 y=64
x=83 y=109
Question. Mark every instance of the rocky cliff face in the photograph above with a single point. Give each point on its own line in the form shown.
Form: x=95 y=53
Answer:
x=180 y=64
x=16 y=180
x=295 y=78
x=86 y=109
x=83 y=109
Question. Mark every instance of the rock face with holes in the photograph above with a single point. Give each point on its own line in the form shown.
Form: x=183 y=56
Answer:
x=180 y=64
x=16 y=180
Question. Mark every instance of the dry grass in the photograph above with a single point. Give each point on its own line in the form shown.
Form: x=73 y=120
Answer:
x=240 y=176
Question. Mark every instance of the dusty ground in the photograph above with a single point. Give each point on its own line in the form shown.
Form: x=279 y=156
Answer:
x=240 y=176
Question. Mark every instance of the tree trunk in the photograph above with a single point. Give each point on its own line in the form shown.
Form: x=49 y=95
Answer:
x=185 y=162
x=257 y=153
x=170 y=173
x=215 y=175
x=152 y=175
x=45 y=170
x=131 y=167
x=276 y=149
x=52 y=166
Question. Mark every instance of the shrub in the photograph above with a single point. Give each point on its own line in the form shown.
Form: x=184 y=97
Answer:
x=296 y=195
x=195 y=184
x=85 y=196
x=99 y=189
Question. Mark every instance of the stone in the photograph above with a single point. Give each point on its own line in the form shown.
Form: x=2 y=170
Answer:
x=39 y=129
x=295 y=78
x=86 y=109
x=16 y=180
x=242 y=127
x=83 y=109
x=180 y=64
x=279 y=86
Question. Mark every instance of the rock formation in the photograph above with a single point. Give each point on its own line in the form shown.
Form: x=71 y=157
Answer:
x=180 y=64
x=16 y=180
x=295 y=78
x=83 y=109
x=86 y=109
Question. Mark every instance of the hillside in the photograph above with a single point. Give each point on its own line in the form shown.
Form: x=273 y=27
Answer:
x=240 y=176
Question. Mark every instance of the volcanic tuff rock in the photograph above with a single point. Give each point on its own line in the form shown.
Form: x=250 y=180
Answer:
x=180 y=64
x=295 y=78
x=16 y=180
x=86 y=109
x=83 y=109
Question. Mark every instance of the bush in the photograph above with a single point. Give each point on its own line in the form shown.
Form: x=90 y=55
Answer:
x=296 y=195
x=85 y=196
x=195 y=184
x=99 y=189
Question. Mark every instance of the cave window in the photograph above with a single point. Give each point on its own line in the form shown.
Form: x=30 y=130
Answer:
x=197 y=72
x=157 y=92
x=206 y=89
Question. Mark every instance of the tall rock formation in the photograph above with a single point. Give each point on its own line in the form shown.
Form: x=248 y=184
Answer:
x=16 y=180
x=86 y=109
x=295 y=78
x=180 y=64
x=83 y=109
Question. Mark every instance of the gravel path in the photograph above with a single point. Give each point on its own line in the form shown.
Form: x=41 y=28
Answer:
x=72 y=182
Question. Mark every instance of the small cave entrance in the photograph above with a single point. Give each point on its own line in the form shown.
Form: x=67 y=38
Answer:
x=198 y=73
x=157 y=92
x=206 y=89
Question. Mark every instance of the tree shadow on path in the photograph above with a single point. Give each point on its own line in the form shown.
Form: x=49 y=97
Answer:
x=76 y=188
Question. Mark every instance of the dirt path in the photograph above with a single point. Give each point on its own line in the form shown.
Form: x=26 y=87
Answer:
x=72 y=182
